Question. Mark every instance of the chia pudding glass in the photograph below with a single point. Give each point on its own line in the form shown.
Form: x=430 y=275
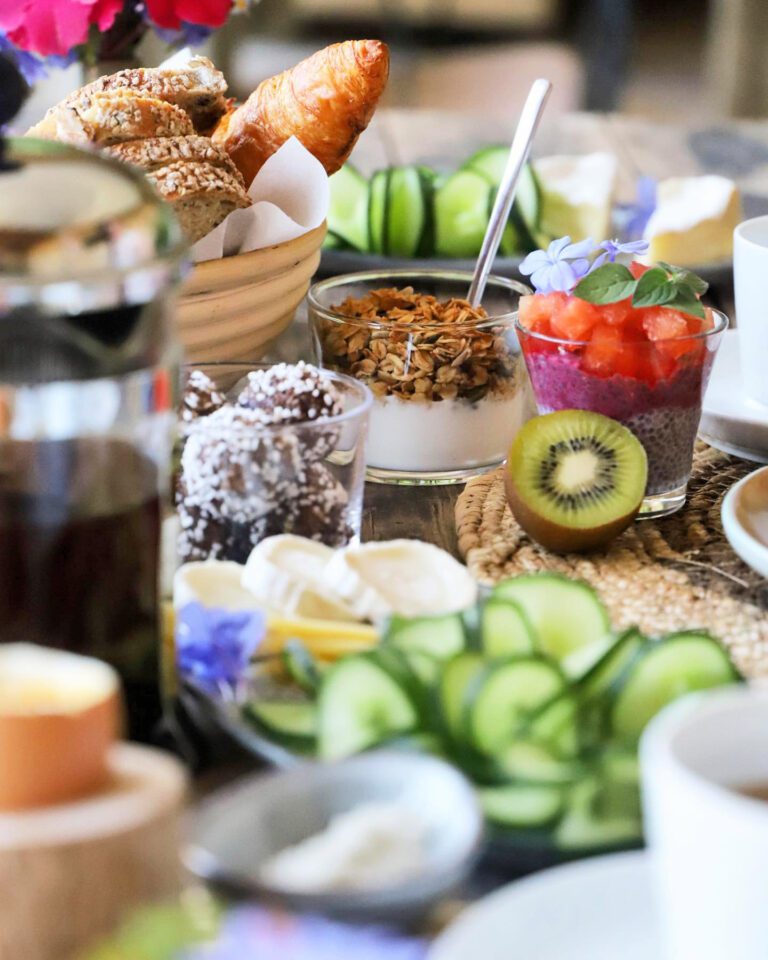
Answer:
x=654 y=387
x=449 y=383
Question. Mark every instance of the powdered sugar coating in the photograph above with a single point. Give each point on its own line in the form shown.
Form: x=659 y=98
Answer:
x=201 y=398
x=290 y=393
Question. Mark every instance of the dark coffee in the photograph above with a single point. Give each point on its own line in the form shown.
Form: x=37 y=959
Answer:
x=758 y=791
x=79 y=532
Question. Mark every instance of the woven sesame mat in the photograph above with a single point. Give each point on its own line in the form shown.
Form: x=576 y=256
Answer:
x=668 y=574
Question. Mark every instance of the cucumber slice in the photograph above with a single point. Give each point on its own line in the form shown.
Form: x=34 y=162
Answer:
x=440 y=637
x=505 y=629
x=522 y=805
x=534 y=763
x=377 y=211
x=456 y=679
x=528 y=200
x=680 y=663
x=332 y=241
x=504 y=696
x=425 y=667
x=408 y=203
x=565 y=614
x=461 y=214
x=285 y=720
x=301 y=666
x=361 y=704
x=348 y=208
x=582 y=829
x=607 y=666
x=556 y=726
x=489 y=162
x=619 y=793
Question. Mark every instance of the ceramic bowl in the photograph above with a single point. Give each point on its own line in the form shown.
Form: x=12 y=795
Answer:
x=231 y=309
x=745 y=519
x=236 y=831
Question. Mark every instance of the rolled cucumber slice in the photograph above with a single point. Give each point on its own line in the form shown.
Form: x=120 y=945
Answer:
x=440 y=637
x=408 y=210
x=680 y=663
x=525 y=760
x=505 y=629
x=377 y=211
x=505 y=695
x=361 y=704
x=605 y=668
x=301 y=666
x=285 y=720
x=565 y=614
x=455 y=682
x=581 y=828
x=461 y=214
x=348 y=208
x=522 y=805
x=556 y=726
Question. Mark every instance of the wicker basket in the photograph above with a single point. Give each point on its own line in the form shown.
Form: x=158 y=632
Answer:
x=231 y=309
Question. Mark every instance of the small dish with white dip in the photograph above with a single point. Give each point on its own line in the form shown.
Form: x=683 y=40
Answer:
x=448 y=381
x=320 y=838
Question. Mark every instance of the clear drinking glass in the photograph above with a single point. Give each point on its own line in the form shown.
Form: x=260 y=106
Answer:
x=448 y=397
x=655 y=388
x=235 y=488
x=89 y=265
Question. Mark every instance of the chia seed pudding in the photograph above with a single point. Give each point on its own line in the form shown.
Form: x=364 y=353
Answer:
x=664 y=415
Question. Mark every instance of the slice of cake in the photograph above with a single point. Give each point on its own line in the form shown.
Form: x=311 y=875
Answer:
x=577 y=195
x=694 y=220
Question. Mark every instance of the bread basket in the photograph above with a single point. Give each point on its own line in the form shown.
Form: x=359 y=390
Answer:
x=230 y=309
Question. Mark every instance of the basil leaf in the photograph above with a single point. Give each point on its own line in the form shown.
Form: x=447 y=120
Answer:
x=654 y=288
x=686 y=301
x=683 y=275
x=608 y=284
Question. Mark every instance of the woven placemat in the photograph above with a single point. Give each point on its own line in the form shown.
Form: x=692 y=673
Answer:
x=668 y=574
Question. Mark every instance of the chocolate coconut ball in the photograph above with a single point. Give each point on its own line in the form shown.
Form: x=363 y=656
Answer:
x=201 y=398
x=290 y=393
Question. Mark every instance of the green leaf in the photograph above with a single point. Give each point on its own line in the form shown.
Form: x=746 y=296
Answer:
x=653 y=289
x=608 y=284
x=684 y=275
x=686 y=301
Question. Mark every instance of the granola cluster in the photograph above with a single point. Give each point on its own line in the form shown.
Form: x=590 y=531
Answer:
x=416 y=347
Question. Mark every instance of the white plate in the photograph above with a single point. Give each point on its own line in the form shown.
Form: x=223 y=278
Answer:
x=598 y=909
x=745 y=519
x=731 y=421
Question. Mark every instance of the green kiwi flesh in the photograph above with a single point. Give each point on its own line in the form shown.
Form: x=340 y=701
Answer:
x=575 y=479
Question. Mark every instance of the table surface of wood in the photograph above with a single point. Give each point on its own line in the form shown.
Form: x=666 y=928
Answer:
x=738 y=150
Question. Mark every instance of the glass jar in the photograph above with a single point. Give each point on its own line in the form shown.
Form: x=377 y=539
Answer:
x=90 y=260
x=449 y=396
x=239 y=482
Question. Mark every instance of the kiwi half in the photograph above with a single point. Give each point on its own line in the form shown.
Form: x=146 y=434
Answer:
x=575 y=479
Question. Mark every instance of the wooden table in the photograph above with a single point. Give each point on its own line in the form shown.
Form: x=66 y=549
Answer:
x=738 y=150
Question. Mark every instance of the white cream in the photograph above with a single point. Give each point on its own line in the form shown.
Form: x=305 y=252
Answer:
x=373 y=846
x=684 y=202
x=441 y=436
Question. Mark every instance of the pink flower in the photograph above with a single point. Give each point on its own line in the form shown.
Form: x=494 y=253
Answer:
x=54 y=27
x=170 y=14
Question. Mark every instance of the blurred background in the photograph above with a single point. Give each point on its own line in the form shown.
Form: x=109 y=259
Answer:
x=654 y=58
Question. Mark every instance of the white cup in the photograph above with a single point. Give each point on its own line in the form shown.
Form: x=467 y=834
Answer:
x=709 y=843
x=750 y=274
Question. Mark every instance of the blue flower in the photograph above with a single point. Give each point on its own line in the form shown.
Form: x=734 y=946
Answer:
x=214 y=647
x=188 y=35
x=613 y=249
x=639 y=212
x=251 y=933
x=560 y=267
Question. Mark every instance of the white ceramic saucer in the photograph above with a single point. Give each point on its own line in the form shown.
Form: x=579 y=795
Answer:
x=745 y=519
x=597 y=909
x=731 y=421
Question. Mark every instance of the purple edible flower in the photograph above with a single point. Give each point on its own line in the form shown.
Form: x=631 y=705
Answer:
x=613 y=249
x=214 y=647
x=251 y=933
x=188 y=35
x=640 y=211
x=560 y=266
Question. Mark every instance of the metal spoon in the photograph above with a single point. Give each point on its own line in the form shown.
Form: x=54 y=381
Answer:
x=518 y=154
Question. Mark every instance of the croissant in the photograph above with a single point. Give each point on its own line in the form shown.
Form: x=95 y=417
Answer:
x=326 y=101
